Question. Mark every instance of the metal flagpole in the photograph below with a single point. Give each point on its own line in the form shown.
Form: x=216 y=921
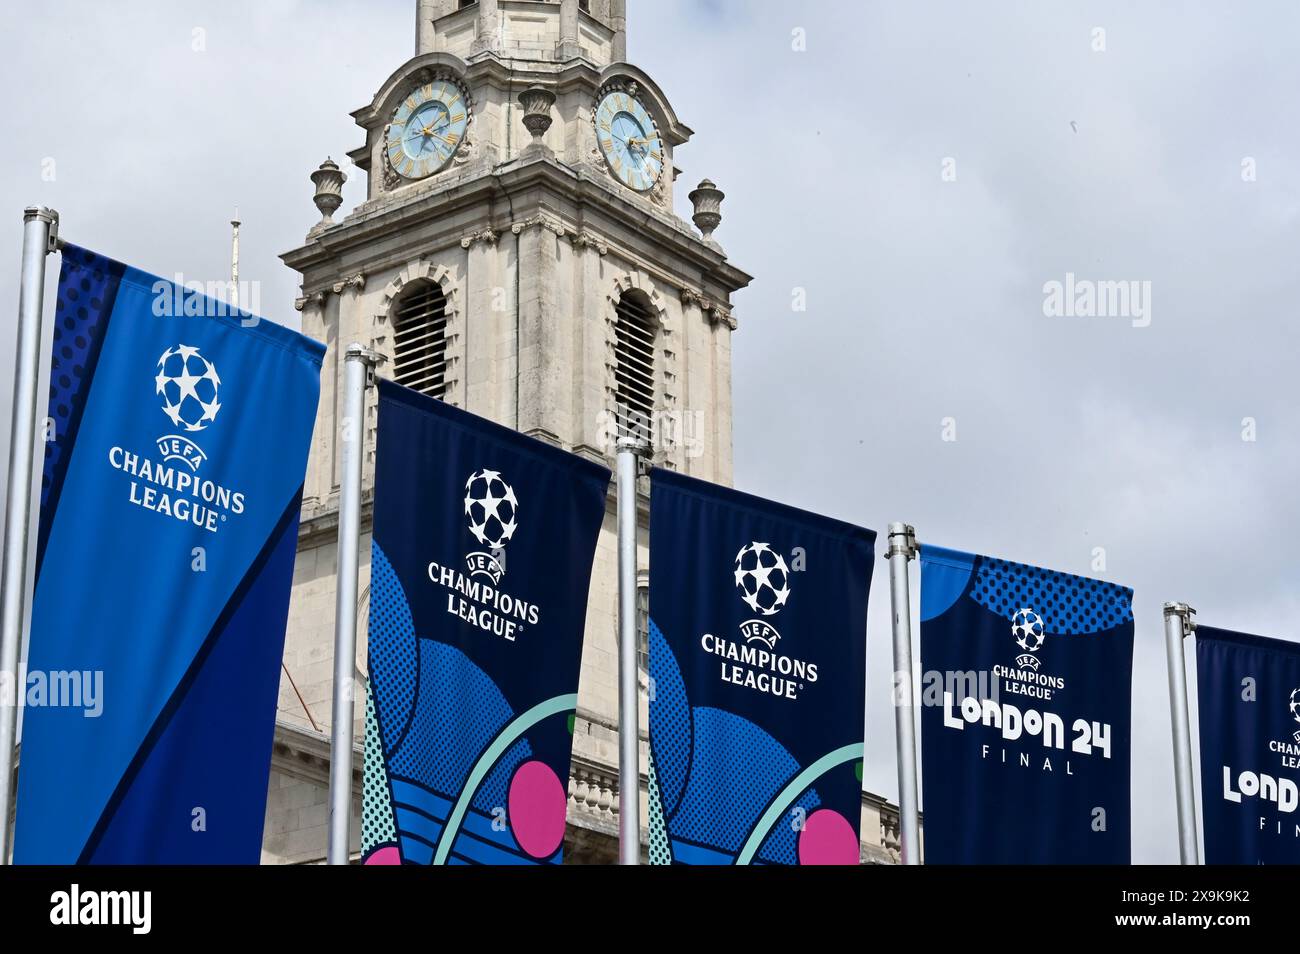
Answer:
x=1178 y=626
x=902 y=548
x=234 y=259
x=629 y=768
x=40 y=237
x=359 y=365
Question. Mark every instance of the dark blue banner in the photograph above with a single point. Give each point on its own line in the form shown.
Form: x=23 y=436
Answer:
x=480 y=566
x=1026 y=713
x=758 y=616
x=179 y=432
x=1248 y=701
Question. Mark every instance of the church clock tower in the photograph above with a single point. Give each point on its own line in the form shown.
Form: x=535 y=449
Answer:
x=516 y=255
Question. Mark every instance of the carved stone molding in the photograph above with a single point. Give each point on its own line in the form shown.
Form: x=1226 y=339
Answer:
x=357 y=281
x=716 y=312
x=316 y=299
x=642 y=282
x=485 y=235
x=548 y=222
x=721 y=315
x=589 y=239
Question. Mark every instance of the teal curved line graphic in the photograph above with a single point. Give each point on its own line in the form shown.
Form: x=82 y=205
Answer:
x=787 y=796
x=507 y=738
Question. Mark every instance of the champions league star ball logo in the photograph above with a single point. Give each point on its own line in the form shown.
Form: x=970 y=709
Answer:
x=491 y=506
x=492 y=509
x=1294 y=706
x=1027 y=628
x=764 y=583
x=188 y=384
x=763 y=578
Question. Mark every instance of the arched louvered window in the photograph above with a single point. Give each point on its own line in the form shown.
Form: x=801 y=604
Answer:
x=420 y=339
x=634 y=364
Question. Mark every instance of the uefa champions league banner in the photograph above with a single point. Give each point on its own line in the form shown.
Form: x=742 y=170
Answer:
x=1026 y=713
x=758 y=616
x=480 y=566
x=1248 y=700
x=168 y=528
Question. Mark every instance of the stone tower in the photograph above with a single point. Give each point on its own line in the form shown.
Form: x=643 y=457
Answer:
x=516 y=255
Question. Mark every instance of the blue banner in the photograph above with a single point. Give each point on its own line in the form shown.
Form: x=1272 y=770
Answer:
x=1248 y=702
x=480 y=566
x=168 y=528
x=1026 y=713
x=758 y=616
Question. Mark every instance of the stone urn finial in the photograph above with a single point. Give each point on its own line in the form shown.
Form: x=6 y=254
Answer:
x=707 y=199
x=329 y=179
x=537 y=103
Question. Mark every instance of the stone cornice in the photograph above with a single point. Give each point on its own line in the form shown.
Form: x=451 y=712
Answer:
x=305 y=754
x=318 y=297
x=715 y=311
x=374 y=227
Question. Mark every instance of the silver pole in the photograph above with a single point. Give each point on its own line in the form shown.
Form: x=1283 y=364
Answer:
x=629 y=768
x=1178 y=626
x=359 y=364
x=40 y=237
x=902 y=548
x=234 y=259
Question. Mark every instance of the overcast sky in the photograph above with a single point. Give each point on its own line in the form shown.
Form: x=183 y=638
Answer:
x=1169 y=157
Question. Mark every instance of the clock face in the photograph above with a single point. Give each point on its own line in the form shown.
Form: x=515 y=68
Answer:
x=426 y=129
x=629 y=141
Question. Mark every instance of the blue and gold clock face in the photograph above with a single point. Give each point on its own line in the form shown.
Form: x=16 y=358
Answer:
x=427 y=129
x=629 y=141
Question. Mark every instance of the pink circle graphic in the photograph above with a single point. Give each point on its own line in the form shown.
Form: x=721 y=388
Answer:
x=388 y=855
x=537 y=805
x=827 y=839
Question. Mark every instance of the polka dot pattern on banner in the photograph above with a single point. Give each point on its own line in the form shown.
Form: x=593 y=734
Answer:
x=377 y=825
x=87 y=286
x=1069 y=605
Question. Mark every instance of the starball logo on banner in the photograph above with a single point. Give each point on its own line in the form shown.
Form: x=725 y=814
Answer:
x=756 y=641
x=179 y=486
x=1248 y=697
x=1035 y=668
x=752 y=660
x=188 y=385
x=474 y=594
x=480 y=565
